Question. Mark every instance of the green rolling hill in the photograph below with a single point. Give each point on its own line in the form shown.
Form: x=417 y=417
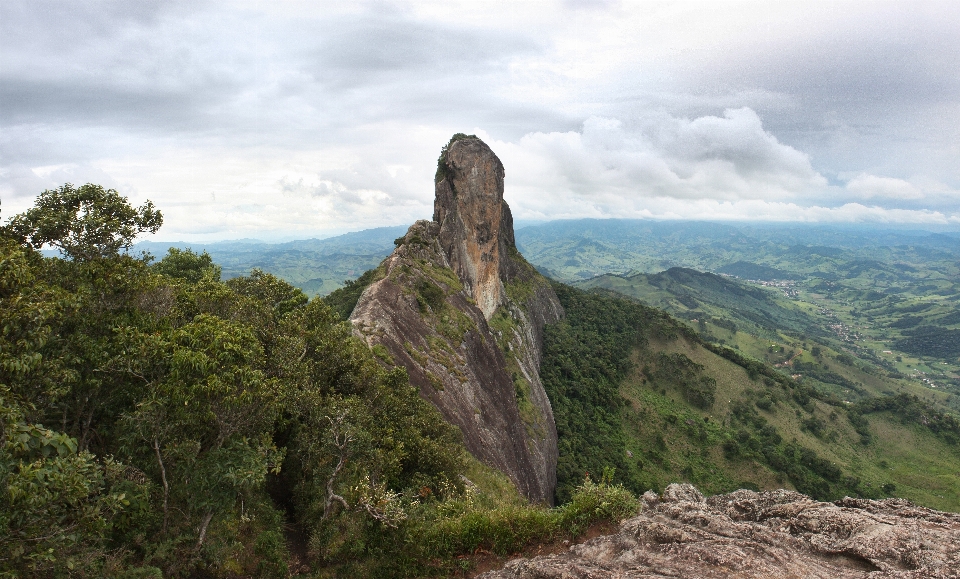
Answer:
x=635 y=389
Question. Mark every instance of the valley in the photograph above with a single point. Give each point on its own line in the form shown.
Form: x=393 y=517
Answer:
x=882 y=306
x=706 y=414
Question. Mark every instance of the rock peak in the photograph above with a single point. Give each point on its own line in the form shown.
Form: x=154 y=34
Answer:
x=476 y=226
x=460 y=308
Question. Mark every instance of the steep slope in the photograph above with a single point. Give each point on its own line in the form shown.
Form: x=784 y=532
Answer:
x=775 y=325
x=458 y=307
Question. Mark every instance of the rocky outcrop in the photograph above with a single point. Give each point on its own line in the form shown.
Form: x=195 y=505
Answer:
x=476 y=227
x=777 y=534
x=458 y=307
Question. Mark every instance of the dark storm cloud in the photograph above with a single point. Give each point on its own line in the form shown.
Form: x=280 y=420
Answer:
x=182 y=69
x=902 y=62
x=87 y=101
x=354 y=52
x=62 y=24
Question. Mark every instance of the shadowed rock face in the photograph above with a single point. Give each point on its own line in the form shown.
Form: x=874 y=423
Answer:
x=463 y=312
x=770 y=535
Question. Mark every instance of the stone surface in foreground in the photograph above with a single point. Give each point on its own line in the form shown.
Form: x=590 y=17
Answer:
x=768 y=534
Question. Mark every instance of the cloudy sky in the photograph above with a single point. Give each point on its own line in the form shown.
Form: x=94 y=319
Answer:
x=284 y=120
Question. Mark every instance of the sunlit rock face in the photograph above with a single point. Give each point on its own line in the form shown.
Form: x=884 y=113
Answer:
x=767 y=535
x=476 y=228
x=459 y=308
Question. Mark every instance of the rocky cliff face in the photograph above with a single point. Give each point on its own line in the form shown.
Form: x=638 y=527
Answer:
x=770 y=535
x=458 y=306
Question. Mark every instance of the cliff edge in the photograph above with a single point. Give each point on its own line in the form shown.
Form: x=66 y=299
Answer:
x=460 y=308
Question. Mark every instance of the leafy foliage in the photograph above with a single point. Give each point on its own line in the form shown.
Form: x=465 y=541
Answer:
x=58 y=503
x=430 y=540
x=808 y=472
x=85 y=223
x=178 y=400
x=912 y=410
x=688 y=376
x=930 y=341
x=189 y=266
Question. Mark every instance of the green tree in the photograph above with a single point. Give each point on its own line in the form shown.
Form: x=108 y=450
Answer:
x=189 y=266
x=201 y=389
x=30 y=310
x=358 y=436
x=208 y=420
x=56 y=508
x=85 y=223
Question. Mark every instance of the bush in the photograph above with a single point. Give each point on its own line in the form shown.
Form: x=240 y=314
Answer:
x=439 y=531
x=679 y=370
x=429 y=295
x=910 y=410
x=593 y=502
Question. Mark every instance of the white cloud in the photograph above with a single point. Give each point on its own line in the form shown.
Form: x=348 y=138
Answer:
x=609 y=164
x=871 y=186
x=738 y=210
x=20 y=184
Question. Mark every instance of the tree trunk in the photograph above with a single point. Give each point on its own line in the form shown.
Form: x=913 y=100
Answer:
x=166 y=487
x=332 y=496
x=203 y=528
x=85 y=430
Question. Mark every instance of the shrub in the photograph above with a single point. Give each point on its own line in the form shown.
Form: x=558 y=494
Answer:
x=439 y=531
x=593 y=502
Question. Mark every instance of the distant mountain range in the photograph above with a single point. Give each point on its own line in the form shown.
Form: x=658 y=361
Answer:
x=580 y=249
x=317 y=266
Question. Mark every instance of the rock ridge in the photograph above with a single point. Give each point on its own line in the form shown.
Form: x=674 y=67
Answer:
x=773 y=534
x=460 y=308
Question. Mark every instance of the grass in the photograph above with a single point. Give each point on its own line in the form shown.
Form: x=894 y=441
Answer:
x=930 y=477
x=925 y=470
